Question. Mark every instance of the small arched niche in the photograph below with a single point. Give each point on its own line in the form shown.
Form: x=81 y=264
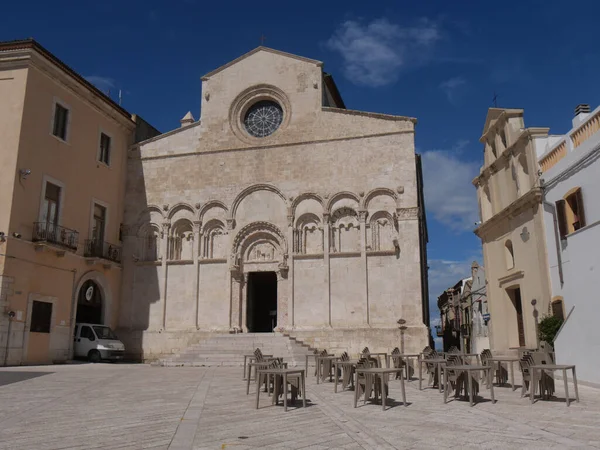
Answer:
x=181 y=240
x=509 y=254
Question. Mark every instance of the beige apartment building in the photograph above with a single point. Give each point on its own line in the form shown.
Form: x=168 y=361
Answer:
x=62 y=180
x=512 y=228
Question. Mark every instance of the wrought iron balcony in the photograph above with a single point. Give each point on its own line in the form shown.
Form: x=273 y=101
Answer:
x=55 y=234
x=104 y=250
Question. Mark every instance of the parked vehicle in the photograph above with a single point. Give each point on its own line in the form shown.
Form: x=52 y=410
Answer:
x=97 y=342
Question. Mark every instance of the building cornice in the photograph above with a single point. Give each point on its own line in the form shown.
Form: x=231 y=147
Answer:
x=533 y=197
x=354 y=112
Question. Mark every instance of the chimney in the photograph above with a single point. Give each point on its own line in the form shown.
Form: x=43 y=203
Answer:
x=582 y=111
x=188 y=119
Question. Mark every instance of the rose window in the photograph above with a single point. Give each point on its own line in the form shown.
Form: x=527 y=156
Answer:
x=263 y=118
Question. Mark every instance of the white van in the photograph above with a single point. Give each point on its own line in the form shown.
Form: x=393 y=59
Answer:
x=97 y=342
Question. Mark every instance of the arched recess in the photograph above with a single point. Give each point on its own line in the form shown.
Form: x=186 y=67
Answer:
x=509 y=254
x=382 y=231
x=345 y=230
x=213 y=237
x=149 y=238
x=99 y=280
x=150 y=214
x=303 y=198
x=250 y=190
x=385 y=192
x=256 y=239
x=308 y=234
x=179 y=208
x=181 y=240
x=211 y=209
x=344 y=198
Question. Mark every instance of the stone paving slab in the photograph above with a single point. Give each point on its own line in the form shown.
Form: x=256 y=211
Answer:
x=126 y=406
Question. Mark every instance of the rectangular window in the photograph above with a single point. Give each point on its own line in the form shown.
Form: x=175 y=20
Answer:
x=99 y=223
x=105 y=143
x=51 y=204
x=61 y=119
x=41 y=317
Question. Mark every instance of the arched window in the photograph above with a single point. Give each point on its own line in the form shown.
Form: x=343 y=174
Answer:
x=149 y=243
x=213 y=242
x=509 y=254
x=181 y=240
x=345 y=230
x=308 y=235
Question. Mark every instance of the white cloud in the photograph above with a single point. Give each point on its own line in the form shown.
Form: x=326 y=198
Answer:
x=102 y=83
x=449 y=195
x=374 y=53
x=452 y=87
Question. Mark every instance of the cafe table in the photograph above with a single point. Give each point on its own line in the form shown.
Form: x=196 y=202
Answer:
x=258 y=365
x=407 y=357
x=540 y=368
x=320 y=366
x=284 y=373
x=437 y=362
x=505 y=359
x=381 y=374
x=385 y=356
x=346 y=365
x=467 y=369
x=250 y=358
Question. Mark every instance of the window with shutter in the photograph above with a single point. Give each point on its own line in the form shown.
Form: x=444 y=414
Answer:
x=580 y=208
x=561 y=217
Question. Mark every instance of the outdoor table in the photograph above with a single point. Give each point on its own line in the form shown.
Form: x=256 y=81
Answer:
x=276 y=372
x=506 y=359
x=438 y=363
x=382 y=372
x=320 y=372
x=258 y=365
x=385 y=355
x=468 y=369
x=468 y=355
x=338 y=363
x=249 y=358
x=553 y=367
x=407 y=357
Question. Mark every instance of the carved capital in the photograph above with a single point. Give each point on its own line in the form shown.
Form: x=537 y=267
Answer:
x=326 y=218
x=230 y=224
x=197 y=226
x=362 y=216
x=290 y=220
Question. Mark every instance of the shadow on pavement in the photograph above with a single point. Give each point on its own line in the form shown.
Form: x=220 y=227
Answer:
x=10 y=377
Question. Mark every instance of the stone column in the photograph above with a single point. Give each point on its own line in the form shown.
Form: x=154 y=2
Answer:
x=362 y=218
x=326 y=249
x=164 y=251
x=233 y=301
x=290 y=306
x=242 y=297
x=195 y=258
x=282 y=299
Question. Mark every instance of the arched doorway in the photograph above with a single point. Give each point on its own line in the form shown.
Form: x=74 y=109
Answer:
x=89 y=303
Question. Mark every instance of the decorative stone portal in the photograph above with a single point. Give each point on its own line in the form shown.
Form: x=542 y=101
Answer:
x=261 y=302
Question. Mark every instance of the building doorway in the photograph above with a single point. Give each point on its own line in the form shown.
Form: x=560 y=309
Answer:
x=515 y=297
x=261 y=306
x=89 y=303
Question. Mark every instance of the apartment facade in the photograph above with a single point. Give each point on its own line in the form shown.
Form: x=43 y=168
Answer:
x=570 y=166
x=62 y=180
x=512 y=229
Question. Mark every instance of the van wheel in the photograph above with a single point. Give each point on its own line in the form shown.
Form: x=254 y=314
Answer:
x=94 y=356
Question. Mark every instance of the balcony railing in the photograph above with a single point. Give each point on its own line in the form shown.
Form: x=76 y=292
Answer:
x=100 y=249
x=55 y=234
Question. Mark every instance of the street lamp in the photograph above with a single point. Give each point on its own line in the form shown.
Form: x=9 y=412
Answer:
x=403 y=328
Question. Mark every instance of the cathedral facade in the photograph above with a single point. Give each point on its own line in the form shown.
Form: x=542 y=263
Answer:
x=279 y=210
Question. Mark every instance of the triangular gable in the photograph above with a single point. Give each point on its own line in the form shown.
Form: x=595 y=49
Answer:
x=263 y=49
x=494 y=113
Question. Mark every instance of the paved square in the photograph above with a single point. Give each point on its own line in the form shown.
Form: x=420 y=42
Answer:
x=138 y=406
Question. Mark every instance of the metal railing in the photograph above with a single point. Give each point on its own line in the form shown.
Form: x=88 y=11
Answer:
x=55 y=234
x=100 y=249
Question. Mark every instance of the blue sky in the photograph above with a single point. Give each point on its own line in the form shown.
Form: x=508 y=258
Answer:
x=438 y=61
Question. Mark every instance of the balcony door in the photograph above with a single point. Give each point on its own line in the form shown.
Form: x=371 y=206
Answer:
x=50 y=210
x=98 y=225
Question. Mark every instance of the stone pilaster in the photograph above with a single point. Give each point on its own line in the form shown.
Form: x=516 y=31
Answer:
x=242 y=296
x=290 y=282
x=195 y=257
x=362 y=219
x=326 y=249
x=164 y=244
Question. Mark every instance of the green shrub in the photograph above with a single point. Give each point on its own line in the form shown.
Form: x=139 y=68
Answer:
x=548 y=328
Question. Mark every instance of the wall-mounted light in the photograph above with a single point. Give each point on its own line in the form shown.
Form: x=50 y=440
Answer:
x=2 y=236
x=17 y=235
x=24 y=173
